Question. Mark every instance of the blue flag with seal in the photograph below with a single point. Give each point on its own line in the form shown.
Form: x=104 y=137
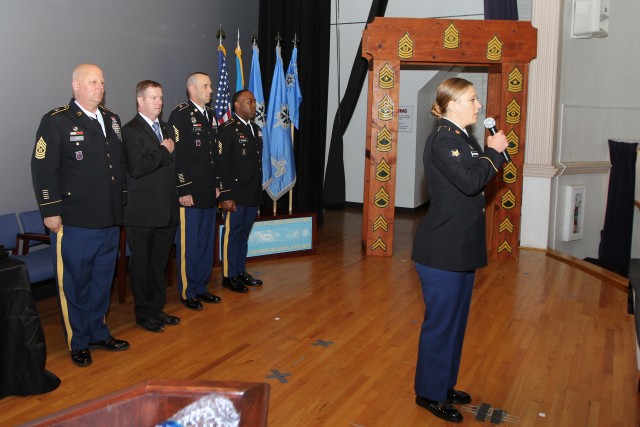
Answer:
x=294 y=96
x=283 y=168
x=255 y=86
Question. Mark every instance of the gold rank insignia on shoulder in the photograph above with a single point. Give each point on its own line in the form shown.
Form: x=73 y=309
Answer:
x=41 y=149
x=59 y=109
x=455 y=153
x=105 y=108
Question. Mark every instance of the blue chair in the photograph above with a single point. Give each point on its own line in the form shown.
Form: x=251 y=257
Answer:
x=34 y=233
x=39 y=266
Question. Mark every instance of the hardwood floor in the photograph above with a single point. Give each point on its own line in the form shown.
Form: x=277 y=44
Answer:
x=548 y=343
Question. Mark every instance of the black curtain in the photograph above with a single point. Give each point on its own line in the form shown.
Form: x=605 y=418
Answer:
x=615 y=238
x=501 y=10
x=334 y=182
x=309 y=22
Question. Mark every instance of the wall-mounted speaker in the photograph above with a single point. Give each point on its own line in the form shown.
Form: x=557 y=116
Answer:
x=590 y=18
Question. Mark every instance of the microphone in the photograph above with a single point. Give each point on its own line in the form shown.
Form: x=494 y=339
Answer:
x=490 y=124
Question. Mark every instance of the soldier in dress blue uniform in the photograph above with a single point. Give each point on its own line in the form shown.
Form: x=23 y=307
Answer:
x=78 y=176
x=240 y=142
x=450 y=243
x=193 y=129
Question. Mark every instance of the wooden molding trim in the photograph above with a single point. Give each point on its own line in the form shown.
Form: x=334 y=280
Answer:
x=540 y=171
x=584 y=168
x=617 y=280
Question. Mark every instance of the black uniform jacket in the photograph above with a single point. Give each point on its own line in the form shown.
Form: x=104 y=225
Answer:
x=195 y=153
x=152 y=200
x=240 y=162
x=77 y=172
x=452 y=235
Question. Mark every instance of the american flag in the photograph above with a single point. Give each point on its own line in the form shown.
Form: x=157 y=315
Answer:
x=223 y=100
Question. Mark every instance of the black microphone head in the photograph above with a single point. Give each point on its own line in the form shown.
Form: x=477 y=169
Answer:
x=489 y=122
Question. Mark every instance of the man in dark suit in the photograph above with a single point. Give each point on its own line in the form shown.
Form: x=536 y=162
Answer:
x=151 y=213
x=240 y=189
x=196 y=157
x=78 y=176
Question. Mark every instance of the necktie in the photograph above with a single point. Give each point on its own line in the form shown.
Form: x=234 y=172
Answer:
x=206 y=116
x=156 y=129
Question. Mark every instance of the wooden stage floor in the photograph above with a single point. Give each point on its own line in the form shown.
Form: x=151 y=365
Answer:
x=335 y=335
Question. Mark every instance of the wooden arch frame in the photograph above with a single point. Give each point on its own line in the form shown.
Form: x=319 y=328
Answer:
x=505 y=48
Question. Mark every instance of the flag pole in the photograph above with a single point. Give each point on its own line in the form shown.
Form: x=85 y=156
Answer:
x=275 y=202
x=220 y=34
x=295 y=44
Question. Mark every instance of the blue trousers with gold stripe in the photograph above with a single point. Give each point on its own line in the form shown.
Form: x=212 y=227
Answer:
x=85 y=260
x=447 y=298
x=235 y=239
x=194 y=250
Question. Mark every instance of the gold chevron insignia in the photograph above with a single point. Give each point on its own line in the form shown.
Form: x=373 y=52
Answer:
x=41 y=149
x=451 y=37
x=506 y=225
x=405 y=47
x=505 y=246
x=514 y=142
x=514 y=82
x=508 y=200
x=513 y=113
x=379 y=244
x=176 y=133
x=383 y=171
x=384 y=140
x=385 y=108
x=387 y=77
x=510 y=173
x=381 y=199
x=380 y=223
x=494 y=49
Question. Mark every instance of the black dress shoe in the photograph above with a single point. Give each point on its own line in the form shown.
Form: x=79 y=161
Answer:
x=111 y=344
x=209 y=297
x=151 y=325
x=443 y=410
x=458 y=397
x=192 y=303
x=249 y=280
x=81 y=357
x=167 y=319
x=234 y=284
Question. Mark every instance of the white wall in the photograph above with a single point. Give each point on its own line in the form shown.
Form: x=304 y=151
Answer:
x=599 y=99
x=410 y=191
